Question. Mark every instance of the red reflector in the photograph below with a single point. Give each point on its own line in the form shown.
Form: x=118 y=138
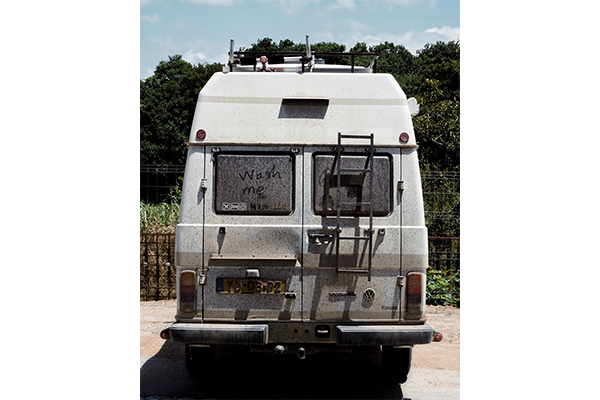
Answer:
x=404 y=137
x=415 y=298
x=187 y=291
x=188 y=278
x=201 y=134
x=437 y=337
x=414 y=289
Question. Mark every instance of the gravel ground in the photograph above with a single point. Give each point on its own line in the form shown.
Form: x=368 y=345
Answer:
x=435 y=371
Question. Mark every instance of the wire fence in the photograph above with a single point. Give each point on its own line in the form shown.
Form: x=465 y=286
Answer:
x=158 y=181
x=157 y=269
x=158 y=273
x=444 y=253
x=441 y=199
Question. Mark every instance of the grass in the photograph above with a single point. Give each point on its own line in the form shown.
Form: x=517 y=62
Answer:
x=443 y=287
x=160 y=218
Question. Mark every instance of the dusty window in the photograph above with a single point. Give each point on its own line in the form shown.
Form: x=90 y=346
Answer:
x=354 y=186
x=254 y=184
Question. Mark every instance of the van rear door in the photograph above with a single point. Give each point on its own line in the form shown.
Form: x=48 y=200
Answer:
x=252 y=234
x=337 y=282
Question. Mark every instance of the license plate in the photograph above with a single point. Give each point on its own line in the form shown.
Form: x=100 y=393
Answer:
x=250 y=285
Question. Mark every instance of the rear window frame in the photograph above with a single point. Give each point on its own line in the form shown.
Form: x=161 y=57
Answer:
x=254 y=213
x=315 y=176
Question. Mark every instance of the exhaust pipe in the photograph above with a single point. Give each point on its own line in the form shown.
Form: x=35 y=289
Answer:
x=165 y=334
x=301 y=353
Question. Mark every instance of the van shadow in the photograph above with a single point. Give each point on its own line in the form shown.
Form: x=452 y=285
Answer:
x=258 y=376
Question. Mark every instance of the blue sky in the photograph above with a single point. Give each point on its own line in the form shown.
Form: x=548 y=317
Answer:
x=200 y=30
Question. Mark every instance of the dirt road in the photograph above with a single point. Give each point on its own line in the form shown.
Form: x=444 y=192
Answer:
x=434 y=374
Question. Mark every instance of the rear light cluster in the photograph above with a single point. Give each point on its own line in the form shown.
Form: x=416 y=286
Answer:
x=187 y=291
x=415 y=295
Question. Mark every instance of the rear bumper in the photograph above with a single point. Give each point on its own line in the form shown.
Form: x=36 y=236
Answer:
x=252 y=334
x=258 y=334
x=385 y=335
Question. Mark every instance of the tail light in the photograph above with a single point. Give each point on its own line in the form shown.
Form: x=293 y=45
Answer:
x=187 y=291
x=415 y=295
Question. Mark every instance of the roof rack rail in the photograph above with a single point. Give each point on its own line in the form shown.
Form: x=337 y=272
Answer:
x=306 y=58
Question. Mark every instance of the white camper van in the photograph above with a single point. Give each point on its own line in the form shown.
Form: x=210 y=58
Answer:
x=301 y=225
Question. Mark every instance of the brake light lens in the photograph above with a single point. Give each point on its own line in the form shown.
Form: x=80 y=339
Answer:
x=187 y=291
x=415 y=294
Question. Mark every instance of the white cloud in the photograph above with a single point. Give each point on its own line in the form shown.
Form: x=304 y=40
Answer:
x=213 y=2
x=347 y=4
x=356 y=26
x=445 y=31
x=193 y=57
x=178 y=24
x=412 y=40
x=408 y=3
x=291 y=7
x=151 y=19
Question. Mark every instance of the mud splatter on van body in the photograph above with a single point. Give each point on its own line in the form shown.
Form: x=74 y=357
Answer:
x=301 y=225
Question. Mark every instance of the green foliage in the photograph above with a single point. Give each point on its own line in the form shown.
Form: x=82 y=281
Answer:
x=437 y=127
x=441 y=62
x=160 y=218
x=167 y=104
x=168 y=98
x=443 y=288
x=330 y=47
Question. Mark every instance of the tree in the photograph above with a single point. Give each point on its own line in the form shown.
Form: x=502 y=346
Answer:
x=167 y=104
x=265 y=44
x=401 y=63
x=437 y=127
x=330 y=47
x=168 y=97
x=441 y=62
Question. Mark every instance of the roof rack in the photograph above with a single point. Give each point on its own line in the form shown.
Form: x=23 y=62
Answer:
x=243 y=60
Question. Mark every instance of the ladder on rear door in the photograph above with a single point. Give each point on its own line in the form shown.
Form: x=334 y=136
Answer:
x=369 y=234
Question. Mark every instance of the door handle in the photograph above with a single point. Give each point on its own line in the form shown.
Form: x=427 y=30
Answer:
x=321 y=237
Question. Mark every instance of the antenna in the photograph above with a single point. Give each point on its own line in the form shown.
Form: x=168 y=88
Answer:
x=308 y=53
x=231 y=46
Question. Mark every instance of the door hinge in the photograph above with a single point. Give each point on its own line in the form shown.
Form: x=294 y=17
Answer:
x=401 y=186
x=400 y=281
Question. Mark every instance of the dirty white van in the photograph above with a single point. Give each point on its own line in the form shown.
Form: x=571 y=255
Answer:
x=301 y=225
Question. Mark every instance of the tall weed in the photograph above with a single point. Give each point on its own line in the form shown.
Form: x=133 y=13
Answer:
x=160 y=218
x=443 y=287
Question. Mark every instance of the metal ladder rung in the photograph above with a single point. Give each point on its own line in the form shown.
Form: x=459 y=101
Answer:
x=351 y=203
x=354 y=238
x=355 y=136
x=355 y=170
x=339 y=203
x=354 y=271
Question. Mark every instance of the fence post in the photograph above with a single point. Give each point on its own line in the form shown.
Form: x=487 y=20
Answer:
x=168 y=266
x=157 y=296
x=146 y=268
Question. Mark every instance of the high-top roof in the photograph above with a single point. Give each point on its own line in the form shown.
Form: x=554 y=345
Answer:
x=290 y=102
x=300 y=108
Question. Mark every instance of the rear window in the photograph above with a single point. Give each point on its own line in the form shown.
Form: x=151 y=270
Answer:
x=254 y=184
x=354 y=186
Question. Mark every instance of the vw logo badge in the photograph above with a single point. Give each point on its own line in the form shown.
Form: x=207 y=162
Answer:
x=369 y=294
